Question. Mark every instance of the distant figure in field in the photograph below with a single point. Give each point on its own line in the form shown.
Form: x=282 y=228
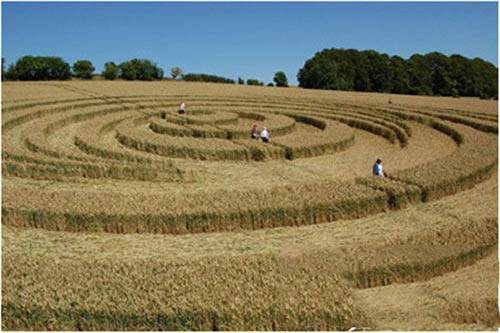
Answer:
x=254 y=132
x=378 y=169
x=390 y=102
x=264 y=135
x=181 y=108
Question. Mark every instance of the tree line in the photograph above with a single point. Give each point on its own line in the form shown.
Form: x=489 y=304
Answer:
x=206 y=78
x=336 y=69
x=370 y=71
x=30 y=68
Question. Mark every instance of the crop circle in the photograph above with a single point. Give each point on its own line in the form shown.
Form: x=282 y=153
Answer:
x=187 y=222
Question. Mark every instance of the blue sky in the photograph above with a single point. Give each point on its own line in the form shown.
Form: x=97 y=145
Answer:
x=244 y=39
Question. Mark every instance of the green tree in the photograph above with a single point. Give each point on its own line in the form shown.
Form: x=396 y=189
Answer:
x=11 y=73
x=110 y=71
x=254 y=82
x=280 y=79
x=400 y=76
x=206 y=78
x=378 y=71
x=320 y=72
x=175 y=72
x=362 y=78
x=420 y=74
x=140 y=69
x=241 y=81
x=83 y=69
x=485 y=78
x=29 y=68
x=346 y=67
x=430 y=74
x=462 y=72
x=127 y=71
x=442 y=82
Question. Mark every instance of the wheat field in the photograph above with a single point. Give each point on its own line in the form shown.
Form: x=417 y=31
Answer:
x=118 y=213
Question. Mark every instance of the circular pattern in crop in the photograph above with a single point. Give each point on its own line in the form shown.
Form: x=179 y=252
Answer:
x=103 y=180
x=139 y=151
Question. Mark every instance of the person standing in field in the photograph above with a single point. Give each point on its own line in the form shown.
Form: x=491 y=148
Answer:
x=264 y=135
x=253 y=134
x=181 y=108
x=378 y=169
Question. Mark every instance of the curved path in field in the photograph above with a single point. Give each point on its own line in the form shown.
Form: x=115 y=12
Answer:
x=108 y=181
x=139 y=145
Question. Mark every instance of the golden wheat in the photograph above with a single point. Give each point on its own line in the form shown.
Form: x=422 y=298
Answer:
x=97 y=156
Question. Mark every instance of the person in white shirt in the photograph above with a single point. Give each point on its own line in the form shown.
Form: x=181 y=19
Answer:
x=181 y=108
x=378 y=169
x=264 y=135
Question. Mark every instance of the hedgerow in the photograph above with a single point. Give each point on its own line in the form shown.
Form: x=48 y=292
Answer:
x=206 y=78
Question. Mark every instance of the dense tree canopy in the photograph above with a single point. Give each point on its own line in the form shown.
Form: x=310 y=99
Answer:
x=430 y=74
x=83 y=69
x=206 y=78
x=29 y=68
x=280 y=79
x=254 y=82
x=140 y=69
x=110 y=71
x=10 y=74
